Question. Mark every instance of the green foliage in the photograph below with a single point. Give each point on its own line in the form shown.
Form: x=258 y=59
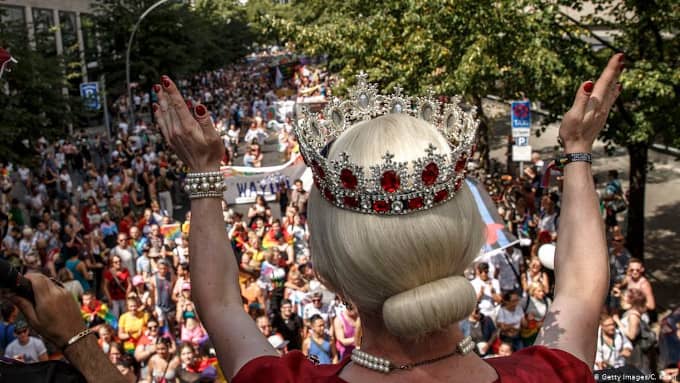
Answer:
x=174 y=39
x=32 y=102
x=649 y=109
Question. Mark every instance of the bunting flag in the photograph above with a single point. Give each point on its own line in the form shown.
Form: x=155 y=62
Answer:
x=498 y=237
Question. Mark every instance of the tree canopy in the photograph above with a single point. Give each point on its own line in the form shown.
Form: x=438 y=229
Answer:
x=512 y=49
x=177 y=39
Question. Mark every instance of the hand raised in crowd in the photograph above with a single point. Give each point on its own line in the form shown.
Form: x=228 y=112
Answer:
x=582 y=124
x=195 y=140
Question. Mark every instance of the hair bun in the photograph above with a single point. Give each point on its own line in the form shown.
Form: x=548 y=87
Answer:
x=429 y=307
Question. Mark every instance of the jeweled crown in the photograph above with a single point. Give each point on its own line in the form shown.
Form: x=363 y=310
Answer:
x=389 y=187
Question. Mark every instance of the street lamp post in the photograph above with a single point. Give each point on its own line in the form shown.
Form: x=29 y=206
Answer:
x=131 y=104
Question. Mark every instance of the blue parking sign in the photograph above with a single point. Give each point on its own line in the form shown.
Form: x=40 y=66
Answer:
x=520 y=114
x=89 y=92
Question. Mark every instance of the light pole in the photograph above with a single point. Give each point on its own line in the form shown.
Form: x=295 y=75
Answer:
x=131 y=104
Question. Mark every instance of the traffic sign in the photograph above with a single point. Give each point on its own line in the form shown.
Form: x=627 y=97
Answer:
x=521 y=141
x=520 y=115
x=521 y=153
x=89 y=92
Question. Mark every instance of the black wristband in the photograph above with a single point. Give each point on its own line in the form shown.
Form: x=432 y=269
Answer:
x=568 y=158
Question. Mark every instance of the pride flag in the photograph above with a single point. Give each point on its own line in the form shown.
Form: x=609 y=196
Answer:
x=171 y=231
x=498 y=237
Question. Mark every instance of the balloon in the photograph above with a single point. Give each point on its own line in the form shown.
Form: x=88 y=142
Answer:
x=546 y=254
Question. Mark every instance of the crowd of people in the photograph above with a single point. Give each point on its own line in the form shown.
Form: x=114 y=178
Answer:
x=101 y=217
x=515 y=288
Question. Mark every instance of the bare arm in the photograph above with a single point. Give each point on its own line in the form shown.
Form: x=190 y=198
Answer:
x=56 y=316
x=581 y=264
x=217 y=294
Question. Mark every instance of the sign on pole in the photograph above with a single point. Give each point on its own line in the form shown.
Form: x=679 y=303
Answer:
x=520 y=123
x=89 y=92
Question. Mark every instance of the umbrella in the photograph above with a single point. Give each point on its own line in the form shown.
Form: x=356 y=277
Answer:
x=5 y=58
x=498 y=237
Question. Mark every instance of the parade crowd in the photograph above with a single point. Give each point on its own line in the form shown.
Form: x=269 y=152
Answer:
x=104 y=217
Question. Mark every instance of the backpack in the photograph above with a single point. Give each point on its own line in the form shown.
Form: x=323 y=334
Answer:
x=646 y=339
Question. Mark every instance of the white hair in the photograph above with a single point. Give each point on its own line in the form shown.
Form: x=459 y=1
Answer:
x=404 y=269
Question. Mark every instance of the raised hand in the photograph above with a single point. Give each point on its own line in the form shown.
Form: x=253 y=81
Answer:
x=195 y=140
x=583 y=122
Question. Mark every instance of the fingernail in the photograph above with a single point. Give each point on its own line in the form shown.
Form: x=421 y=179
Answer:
x=156 y=88
x=622 y=57
x=190 y=104
x=155 y=107
x=619 y=86
x=200 y=110
x=588 y=86
x=166 y=81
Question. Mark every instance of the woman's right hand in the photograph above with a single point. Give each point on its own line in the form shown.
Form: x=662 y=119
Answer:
x=582 y=124
x=195 y=140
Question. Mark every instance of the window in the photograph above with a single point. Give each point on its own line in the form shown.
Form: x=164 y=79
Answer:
x=89 y=38
x=43 y=27
x=12 y=19
x=69 y=31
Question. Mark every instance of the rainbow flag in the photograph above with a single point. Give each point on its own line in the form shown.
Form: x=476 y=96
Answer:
x=171 y=231
x=102 y=311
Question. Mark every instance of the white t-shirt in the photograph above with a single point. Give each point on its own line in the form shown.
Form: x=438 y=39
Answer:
x=510 y=317
x=611 y=354
x=486 y=305
x=30 y=351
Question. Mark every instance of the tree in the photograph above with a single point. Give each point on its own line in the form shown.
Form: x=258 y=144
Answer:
x=509 y=48
x=506 y=48
x=648 y=110
x=174 y=39
x=32 y=101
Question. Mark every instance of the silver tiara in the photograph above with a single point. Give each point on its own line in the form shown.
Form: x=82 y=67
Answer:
x=387 y=188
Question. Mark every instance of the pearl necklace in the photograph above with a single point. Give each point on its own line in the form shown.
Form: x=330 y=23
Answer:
x=385 y=366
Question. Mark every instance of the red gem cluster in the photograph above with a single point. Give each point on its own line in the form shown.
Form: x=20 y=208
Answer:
x=390 y=182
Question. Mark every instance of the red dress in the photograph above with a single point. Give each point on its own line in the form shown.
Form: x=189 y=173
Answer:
x=532 y=364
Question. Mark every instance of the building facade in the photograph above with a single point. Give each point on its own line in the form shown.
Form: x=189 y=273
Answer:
x=57 y=27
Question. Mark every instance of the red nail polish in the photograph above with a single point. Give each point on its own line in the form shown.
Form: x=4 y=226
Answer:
x=622 y=57
x=588 y=87
x=166 y=81
x=619 y=86
x=156 y=88
x=200 y=110
x=190 y=104
x=155 y=107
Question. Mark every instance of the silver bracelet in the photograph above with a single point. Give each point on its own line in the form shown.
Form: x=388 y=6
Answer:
x=205 y=185
x=78 y=337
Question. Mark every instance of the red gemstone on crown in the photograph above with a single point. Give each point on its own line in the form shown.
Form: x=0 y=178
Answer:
x=350 y=201
x=329 y=195
x=430 y=174
x=318 y=169
x=460 y=164
x=390 y=181
x=441 y=195
x=348 y=179
x=381 y=206
x=415 y=203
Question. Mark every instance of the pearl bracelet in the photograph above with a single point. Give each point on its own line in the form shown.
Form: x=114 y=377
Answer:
x=205 y=185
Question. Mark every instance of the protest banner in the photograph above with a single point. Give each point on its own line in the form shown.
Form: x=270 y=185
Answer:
x=245 y=183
